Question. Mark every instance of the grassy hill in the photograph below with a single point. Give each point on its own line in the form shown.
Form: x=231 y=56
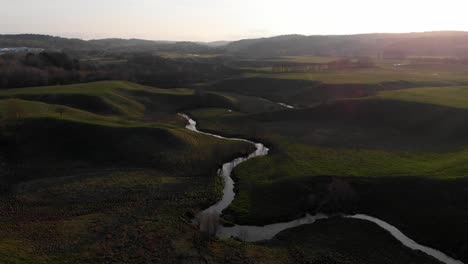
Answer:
x=115 y=44
x=444 y=43
x=53 y=130
x=117 y=98
x=107 y=171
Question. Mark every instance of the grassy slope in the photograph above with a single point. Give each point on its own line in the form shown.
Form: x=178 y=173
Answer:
x=360 y=142
x=77 y=186
x=117 y=98
x=40 y=138
x=104 y=96
x=35 y=109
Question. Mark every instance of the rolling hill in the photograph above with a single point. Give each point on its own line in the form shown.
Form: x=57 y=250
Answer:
x=444 y=43
x=113 y=45
x=103 y=124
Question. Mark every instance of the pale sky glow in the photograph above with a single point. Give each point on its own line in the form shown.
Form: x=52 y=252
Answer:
x=207 y=20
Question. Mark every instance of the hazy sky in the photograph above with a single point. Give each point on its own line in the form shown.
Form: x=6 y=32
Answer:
x=205 y=20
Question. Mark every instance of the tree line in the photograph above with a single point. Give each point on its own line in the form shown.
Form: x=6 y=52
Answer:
x=58 y=68
x=340 y=64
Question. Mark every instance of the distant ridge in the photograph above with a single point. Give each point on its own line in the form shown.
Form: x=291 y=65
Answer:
x=437 y=43
x=110 y=44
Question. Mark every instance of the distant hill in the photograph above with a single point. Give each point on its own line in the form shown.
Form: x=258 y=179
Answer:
x=117 y=45
x=42 y=41
x=442 y=43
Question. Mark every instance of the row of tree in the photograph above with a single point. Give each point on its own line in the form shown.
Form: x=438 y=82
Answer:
x=340 y=64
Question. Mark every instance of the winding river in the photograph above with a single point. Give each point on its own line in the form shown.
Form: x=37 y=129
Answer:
x=208 y=220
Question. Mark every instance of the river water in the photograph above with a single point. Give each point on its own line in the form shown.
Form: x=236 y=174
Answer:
x=209 y=219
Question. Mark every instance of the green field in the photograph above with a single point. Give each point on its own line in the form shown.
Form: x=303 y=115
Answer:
x=453 y=96
x=384 y=71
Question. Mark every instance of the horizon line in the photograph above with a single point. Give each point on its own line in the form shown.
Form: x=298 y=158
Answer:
x=233 y=40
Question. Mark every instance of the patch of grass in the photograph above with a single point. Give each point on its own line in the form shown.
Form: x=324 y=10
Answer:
x=303 y=161
x=453 y=96
x=34 y=109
